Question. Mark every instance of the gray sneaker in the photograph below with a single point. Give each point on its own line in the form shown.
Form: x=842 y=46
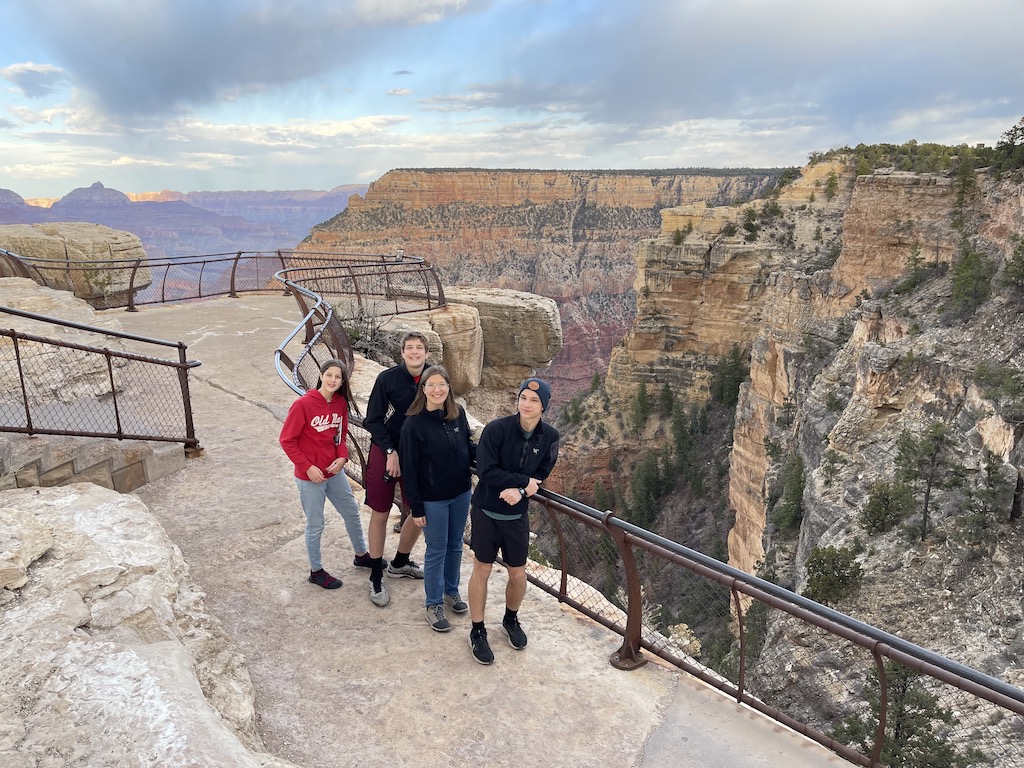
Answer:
x=456 y=603
x=436 y=618
x=379 y=595
x=410 y=570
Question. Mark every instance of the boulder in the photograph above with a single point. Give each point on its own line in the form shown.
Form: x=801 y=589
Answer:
x=108 y=655
x=80 y=242
x=522 y=333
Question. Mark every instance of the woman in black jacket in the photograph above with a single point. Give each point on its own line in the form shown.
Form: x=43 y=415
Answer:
x=435 y=453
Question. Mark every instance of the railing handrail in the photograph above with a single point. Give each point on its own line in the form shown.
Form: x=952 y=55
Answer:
x=49 y=320
x=756 y=587
x=279 y=352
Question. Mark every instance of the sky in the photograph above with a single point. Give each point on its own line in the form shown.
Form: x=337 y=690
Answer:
x=197 y=95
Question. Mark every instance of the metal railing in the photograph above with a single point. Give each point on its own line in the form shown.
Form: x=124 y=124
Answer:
x=367 y=288
x=60 y=387
x=864 y=693
x=867 y=695
x=363 y=286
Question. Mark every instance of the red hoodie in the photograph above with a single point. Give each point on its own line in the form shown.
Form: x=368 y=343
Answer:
x=310 y=431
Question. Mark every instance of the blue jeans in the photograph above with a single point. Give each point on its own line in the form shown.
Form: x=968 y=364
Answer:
x=442 y=563
x=312 y=495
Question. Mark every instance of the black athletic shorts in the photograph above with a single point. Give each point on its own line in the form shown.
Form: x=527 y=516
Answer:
x=488 y=535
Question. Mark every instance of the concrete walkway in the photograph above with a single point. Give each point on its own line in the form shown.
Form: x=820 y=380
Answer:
x=341 y=682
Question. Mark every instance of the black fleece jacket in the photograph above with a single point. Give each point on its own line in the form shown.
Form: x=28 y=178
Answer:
x=392 y=394
x=435 y=456
x=506 y=459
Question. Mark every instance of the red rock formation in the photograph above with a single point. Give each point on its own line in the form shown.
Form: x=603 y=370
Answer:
x=565 y=235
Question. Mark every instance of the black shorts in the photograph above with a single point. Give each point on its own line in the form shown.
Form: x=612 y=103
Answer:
x=488 y=535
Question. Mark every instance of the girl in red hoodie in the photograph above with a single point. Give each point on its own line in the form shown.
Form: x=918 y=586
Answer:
x=314 y=437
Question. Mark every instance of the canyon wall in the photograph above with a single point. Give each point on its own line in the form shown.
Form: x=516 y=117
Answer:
x=845 y=357
x=569 y=236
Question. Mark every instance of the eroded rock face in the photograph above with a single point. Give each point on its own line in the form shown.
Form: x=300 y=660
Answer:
x=80 y=242
x=565 y=235
x=107 y=653
x=521 y=333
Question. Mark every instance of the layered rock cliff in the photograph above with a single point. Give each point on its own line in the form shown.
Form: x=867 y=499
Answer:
x=565 y=235
x=845 y=356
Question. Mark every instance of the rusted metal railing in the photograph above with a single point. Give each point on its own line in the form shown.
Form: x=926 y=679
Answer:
x=965 y=717
x=54 y=386
x=363 y=285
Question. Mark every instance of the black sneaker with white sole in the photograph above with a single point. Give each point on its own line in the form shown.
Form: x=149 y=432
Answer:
x=481 y=648
x=514 y=633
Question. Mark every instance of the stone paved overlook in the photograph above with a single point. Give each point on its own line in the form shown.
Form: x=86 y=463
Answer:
x=340 y=682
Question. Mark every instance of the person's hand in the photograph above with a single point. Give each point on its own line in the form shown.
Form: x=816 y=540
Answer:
x=533 y=486
x=314 y=474
x=421 y=522
x=511 y=496
x=392 y=466
x=336 y=466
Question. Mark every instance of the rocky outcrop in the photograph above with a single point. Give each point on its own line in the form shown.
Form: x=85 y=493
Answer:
x=886 y=218
x=107 y=652
x=521 y=333
x=78 y=242
x=703 y=285
x=565 y=235
x=488 y=339
x=890 y=216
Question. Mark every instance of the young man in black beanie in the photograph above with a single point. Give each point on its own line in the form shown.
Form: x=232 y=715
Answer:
x=515 y=455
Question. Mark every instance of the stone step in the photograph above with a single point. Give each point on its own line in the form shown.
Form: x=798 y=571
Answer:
x=47 y=460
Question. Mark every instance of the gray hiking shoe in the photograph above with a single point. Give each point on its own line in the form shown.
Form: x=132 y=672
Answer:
x=436 y=618
x=456 y=603
x=410 y=570
x=379 y=595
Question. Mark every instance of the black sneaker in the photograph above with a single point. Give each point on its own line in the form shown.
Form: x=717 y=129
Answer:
x=323 y=579
x=481 y=649
x=514 y=633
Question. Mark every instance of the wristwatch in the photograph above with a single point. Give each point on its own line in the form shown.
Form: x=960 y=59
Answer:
x=522 y=492
x=389 y=451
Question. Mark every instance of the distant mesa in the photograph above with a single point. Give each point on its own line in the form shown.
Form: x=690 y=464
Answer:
x=173 y=224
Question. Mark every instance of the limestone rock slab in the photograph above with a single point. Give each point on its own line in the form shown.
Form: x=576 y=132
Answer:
x=107 y=653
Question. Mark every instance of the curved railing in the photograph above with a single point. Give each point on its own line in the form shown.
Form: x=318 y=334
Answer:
x=366 y=285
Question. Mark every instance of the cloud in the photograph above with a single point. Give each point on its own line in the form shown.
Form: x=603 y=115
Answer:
x=400 y=92
x=162 y=57
x=658 y=62
x=409 y=12
x=34 y=80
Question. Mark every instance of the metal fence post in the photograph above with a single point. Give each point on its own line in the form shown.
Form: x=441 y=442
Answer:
x=628 y=656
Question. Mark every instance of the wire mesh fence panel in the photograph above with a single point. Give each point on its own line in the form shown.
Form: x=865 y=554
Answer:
x=53 y=388
x=928 y=724
x=150 y=400
x=593 y=578
x=686 y=616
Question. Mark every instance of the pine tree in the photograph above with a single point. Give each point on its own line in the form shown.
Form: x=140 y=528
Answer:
x=912 y=717
x=927 y=462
